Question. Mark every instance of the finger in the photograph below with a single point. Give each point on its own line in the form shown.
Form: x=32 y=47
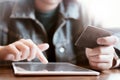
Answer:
x=41 y=57
x=39 y=53
x=33 y=54
x=32 y=49
x=111 y=40
x=43 y=47
x=94 y=52
x=101 y=50
x=101 y=59
x=13 y=50
x=23 y=49
x=100 y=66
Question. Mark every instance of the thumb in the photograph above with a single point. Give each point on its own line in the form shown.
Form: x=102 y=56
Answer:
x=43 y=46
x=110 y=40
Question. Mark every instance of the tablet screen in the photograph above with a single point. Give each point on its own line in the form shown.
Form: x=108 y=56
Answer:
x=50 y=68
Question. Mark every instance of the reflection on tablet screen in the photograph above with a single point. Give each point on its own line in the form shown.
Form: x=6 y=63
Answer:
x=48 y=67
x=37 y=68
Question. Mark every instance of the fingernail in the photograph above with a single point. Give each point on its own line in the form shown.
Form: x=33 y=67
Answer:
x=100 y=41
x=44 y=61
x=47 y=45
x=28 y=59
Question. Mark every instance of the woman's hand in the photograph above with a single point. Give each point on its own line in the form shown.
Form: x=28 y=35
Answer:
x=23 y=49
x=102 y=57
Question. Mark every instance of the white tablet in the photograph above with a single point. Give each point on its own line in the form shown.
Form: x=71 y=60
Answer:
x=37 y=68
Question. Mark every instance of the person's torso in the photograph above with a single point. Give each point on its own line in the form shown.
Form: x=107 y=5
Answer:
x=17 y=26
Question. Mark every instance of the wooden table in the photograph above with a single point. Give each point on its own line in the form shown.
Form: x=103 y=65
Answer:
x=6 y=73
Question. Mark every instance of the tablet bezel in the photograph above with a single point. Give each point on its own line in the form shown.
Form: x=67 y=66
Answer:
x=17 y=72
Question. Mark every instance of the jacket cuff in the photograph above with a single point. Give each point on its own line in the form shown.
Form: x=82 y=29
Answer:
x=117 y=64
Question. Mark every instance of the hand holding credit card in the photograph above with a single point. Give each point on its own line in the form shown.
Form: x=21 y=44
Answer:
x=89 y=36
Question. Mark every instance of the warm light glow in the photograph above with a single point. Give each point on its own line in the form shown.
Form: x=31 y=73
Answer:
x=114 y=77
x=105 y=11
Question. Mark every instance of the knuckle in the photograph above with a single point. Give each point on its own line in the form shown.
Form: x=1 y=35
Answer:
x=22 y=40
x=26 y=48
x=10 y=46
x=98 y=65
x=98 y=58
x=100 y=50
x=32 y=47
x=29 y=40
x=17 y=43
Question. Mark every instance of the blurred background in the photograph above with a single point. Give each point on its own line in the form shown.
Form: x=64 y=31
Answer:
x=105 y=11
